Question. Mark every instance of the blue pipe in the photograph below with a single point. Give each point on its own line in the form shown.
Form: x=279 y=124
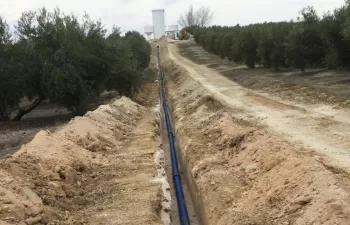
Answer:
x=181 y=203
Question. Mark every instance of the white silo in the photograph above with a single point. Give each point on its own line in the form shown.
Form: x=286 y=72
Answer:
x=172 y=29
x=158 y=16
x=149 y=31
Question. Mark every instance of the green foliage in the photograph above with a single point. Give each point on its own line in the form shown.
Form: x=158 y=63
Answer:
x=140 y=48
x=332 y=59
x=296 y=52
x=311 y=41
x=66 y=61
x=248 y=47
x=11 y=79
x=226 y=45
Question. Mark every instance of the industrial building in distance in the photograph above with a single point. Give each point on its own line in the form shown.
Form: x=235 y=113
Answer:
x=159 y=29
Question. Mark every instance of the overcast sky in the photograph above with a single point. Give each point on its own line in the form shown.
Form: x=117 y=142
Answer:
x=135 y=14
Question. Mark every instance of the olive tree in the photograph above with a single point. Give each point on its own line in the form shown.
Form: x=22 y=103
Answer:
x=65 y=60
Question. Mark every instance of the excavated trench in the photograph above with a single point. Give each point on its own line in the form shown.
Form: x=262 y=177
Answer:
x=187 y=181
x=101 y=168
x=192 y=203
x=192 y=193
x=236 y=172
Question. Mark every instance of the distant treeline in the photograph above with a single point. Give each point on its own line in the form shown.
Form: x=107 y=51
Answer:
x=66 y=60
x=311 y=41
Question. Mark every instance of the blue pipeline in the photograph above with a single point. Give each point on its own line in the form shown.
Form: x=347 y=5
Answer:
x=181 y=204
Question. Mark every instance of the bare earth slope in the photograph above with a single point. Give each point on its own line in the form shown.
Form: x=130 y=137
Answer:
x=320 y=127
x=245 y=172
x=98 y=169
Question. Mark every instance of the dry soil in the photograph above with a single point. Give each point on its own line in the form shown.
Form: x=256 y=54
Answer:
x=240 y=148
x=325 y=128
x=102 y=168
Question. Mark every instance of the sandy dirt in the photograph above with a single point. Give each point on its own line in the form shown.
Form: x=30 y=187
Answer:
x=13 y=134
x=244 y=170
x=47 y=116
x=102 y=168
x=320 y=127
x=247 y=158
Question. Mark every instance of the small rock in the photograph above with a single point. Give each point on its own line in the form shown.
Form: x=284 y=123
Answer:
x=255 y=167
x=69 y=193
x=35 y=210
x=32 y=196
x=80 y=167
x=33 y=220
x=58 y=168
x=80 y=201
x=303 y=200
x=70 y=175
x=54 y=177
x=57 y=189
x=294 y=208
x=50 y=215
x=166 y=210
x=95 y=146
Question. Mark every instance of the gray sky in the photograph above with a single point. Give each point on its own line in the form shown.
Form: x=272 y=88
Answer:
x=135 y=14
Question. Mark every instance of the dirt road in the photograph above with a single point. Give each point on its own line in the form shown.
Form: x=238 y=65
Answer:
x=243 y=170
x=316 y=126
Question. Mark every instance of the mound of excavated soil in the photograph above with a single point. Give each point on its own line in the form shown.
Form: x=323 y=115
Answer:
x=245 y=175
x=88 y=172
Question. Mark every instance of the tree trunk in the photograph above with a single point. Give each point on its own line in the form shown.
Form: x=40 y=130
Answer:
x=22 y=112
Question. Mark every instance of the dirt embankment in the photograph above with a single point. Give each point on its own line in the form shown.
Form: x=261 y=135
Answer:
x=47 y=116
x=245 y=175
x=98 y=169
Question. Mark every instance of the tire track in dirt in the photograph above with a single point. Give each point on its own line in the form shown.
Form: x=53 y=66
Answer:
x=243 y=174
x=323 y=129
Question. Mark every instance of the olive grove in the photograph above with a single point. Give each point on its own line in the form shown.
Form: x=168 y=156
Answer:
x=310 y=41
x=65 y=60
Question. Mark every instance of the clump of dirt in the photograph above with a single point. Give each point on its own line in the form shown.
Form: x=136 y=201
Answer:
x=247 y=176
x=148 y=94
x=87 y=172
